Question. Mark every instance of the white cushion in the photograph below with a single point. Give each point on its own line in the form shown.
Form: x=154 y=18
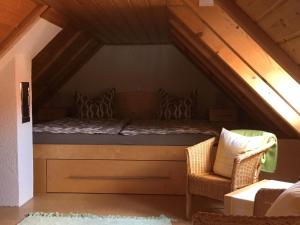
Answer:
x=288 y=203
x=231 y=145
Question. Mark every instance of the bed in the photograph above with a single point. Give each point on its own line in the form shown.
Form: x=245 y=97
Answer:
x=123 y=132
x=140 y=156
x=115 y=156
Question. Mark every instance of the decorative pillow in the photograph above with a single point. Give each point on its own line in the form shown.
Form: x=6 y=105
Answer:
x=288 y=203
x=98 y=108
x=176 y=108
x=231 y=145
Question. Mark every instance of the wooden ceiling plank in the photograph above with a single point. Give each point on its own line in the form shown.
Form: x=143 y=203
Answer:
x=117 y=20
x=127 y=11
x=261 y=38
x=54 y=17
x=238 y=83
x=140 y=20
x=258 y=9
x=103 y=21
x=249 y=51
x=187 y=17
x=52 y=70
x=54 y=50
x=145 y=19
x=148 y=13
x=219 y=78
x=224 y=86
x=74 y=64
x=293 y=47
x=24 y=26
x=78 y=17
x=283 y=21
x=160 y=18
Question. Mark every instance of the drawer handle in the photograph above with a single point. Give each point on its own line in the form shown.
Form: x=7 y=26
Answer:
x=119 y=177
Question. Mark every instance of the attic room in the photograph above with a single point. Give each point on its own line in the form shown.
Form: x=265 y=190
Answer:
x=149 y=112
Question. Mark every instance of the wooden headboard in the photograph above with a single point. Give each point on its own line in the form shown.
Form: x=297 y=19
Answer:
x=136 y=105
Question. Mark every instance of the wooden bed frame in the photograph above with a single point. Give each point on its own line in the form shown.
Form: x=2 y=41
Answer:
x=134 y=169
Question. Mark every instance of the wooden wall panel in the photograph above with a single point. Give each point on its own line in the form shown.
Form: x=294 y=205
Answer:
x=12 y=13
x=118 y=21
x=220 y=47
x=279 y=19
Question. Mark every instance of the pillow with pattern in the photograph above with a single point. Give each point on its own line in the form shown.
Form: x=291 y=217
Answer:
x=95 y=108
x=176 y=108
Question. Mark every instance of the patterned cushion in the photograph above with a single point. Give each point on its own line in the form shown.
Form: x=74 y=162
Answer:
x=98 y=108
x=176 y=108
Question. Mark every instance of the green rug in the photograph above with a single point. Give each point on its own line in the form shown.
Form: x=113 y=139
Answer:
x=89 y=219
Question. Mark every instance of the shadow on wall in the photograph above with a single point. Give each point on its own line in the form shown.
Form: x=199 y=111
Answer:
x=288 y=166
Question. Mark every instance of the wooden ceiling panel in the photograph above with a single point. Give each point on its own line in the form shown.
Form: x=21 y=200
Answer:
x=283 y=22
x=12 y=13
x=293 y=49
x=258 y=9
x=118 y=21
x=278 y=19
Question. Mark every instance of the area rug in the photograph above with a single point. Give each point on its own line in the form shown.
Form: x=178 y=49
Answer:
x=39 y=218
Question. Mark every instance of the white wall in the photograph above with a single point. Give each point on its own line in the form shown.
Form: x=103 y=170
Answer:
x=139 y=68
x=16 y=154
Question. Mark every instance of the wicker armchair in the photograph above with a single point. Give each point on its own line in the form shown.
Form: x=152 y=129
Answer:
x=263 y=200
x=202 y=181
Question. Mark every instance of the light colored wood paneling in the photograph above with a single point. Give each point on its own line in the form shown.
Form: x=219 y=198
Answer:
x=40 y=175
x=14 y=35
x=114 y=176
x=54 y=17
x=293 y=49
x=262 y=38
x=257 y=9
x=278 y=18
x=12 y=13
x=282 y=22
x=117 y=21
x=228 y=76
x=122 y=152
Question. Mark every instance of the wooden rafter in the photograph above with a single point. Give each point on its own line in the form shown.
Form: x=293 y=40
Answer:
x=268 y=112
x=25 y=25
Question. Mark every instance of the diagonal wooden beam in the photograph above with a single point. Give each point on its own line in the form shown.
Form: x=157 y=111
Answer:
x=238 y=83
x=59 y=44
x=218 y=75
x=226 y=33
x=25 y=25
x=74 y=63
x=243 y=20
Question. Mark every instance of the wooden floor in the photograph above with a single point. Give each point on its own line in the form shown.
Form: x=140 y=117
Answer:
x=109 y=204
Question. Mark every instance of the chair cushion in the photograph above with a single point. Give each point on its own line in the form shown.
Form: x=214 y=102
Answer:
x=231 y=145
x=288 y=203
x=210 y=185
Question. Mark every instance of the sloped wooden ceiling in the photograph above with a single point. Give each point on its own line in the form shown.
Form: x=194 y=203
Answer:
x=60 y=59
x=279 y=19
x=240 y=56
x=119 y=21
x=16 y=16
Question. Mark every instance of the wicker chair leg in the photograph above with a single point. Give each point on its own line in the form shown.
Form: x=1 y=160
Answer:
x=188 y=205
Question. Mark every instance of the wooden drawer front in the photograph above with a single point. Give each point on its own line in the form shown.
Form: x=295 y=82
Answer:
x=116 y=176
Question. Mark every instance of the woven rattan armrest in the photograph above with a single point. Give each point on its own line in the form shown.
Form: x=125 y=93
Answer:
x=200 y=157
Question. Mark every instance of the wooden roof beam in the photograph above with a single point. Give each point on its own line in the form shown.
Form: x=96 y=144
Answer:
x=263 y=39
x=238 y=83
x=249 y=51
